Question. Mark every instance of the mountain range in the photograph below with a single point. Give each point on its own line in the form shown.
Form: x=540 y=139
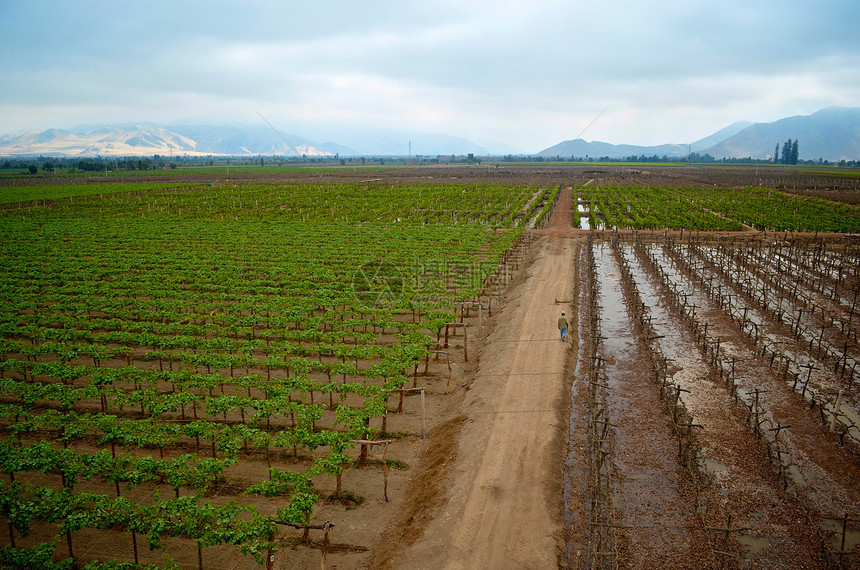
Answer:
x=831 y=134
x=200 y=140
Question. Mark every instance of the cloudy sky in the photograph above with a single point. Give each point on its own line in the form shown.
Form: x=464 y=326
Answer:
x=527 y=73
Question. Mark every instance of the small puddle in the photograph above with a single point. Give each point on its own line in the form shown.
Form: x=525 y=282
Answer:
x=852 y=537
x=639 y=476
x=715 y=466
x=753 y=544
x=795 y=475
x=584 y=216
x=584 y=222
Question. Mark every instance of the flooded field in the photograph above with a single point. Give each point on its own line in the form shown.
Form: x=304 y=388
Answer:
x=715 y=400
x=584 y=216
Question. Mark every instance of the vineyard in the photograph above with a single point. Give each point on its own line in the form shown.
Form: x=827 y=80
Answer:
x=747 y=435
x=153 y=354
x=711 y=209
x=216 y=373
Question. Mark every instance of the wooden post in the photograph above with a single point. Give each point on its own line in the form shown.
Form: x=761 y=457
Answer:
x=325 y=545
x=836 y=410
x=424 y=415
x=448 y=358
x=133 y=546
x=270 y=558
x=423 y=408
x=385 y=468
x=365 y=443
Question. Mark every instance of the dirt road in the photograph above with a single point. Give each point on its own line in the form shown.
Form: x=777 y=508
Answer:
x=502 y=505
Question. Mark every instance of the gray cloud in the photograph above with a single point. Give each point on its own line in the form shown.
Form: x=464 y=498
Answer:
x=527 y=74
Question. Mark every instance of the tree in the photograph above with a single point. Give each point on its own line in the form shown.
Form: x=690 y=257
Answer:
x=33 y=169
x=776 y=154
x=793 y=156
x=786 y=151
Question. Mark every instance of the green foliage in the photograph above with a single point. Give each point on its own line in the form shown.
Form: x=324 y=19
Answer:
x=10 y=195
x=301 y=505
x=126 y=308
x=39 y=557
x=169 y=564
x=718 y=209
x=490 y=205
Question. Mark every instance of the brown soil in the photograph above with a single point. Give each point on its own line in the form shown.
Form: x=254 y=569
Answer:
x=484 y=489
x=830 y=184
x=499 y=496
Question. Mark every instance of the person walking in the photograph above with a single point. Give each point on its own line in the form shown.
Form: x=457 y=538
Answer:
x=562 y=326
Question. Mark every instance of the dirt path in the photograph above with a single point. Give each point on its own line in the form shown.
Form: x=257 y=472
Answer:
x=502 y=505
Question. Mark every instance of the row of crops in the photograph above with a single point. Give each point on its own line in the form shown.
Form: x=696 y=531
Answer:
x=750 y=346
x=160 y=342
x=370 y=202
x=712 y=209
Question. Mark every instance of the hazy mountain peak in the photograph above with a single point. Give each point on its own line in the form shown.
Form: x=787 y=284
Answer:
x=720 y=135
x=832 y=133
x=150 y=139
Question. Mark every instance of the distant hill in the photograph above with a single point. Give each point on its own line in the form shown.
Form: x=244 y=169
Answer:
x=378 y=141
x=262 y=140
x=147 y=140
x=720 y=136
x=582 y=149
x=201 y=140
x=831 y=134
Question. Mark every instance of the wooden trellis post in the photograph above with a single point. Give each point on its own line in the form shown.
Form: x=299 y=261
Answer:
x=728 y=529
x=480 y=312
x=326 y=527
x=423 y=414
x=365 y=443
x=836 y=410
x=844 y=519
x=465 y=338
x=448 y=358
